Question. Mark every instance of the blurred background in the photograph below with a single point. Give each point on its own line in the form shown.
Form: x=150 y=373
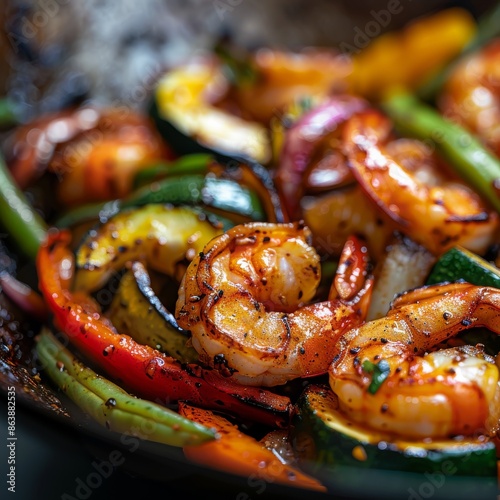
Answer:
x=56 y=52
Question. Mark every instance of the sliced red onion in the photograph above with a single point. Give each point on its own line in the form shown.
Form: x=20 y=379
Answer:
x=301 y=139
x=23 y=296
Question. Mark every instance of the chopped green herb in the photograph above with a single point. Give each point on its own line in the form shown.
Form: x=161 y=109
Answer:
x=380 y=372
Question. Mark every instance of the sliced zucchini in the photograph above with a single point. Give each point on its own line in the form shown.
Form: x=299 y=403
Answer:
x=161 y=235
x=230 y=202
x=137 y=311
x=235 y=191
x=334 y=449
x=459 y=263
x=404 y=266
x=224 y=195
x=184 y=112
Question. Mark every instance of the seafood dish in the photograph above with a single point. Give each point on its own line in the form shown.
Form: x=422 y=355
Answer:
x=285 y=268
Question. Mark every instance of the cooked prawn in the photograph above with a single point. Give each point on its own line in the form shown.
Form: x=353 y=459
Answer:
x=387 y=375
x=471 y=95
x=409 y=184
x=94 y=152
x=245 y=300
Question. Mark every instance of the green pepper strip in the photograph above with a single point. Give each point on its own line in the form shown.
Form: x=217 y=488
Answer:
x=18 y=217
x=110 y=405
x=465 y=153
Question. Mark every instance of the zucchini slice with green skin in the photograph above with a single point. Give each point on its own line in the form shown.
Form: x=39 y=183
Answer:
x=225 y=198
x=335 y=448
x=222 y=195
x=138 y=311
x=185 y=116
x=160 y=235
x=459 y=263
x=234 y=190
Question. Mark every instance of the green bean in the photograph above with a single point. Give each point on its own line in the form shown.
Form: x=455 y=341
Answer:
x=464 y=152
x=18 y=217
x=110 y=405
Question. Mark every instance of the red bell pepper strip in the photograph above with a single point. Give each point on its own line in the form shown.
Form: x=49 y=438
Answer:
x=140 y=369
x=353 y=278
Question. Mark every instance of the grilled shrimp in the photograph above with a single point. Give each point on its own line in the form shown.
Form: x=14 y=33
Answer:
x=413 y=188
x=246 y=300
x=387 y=375
x=471 y=95
x=95 y=153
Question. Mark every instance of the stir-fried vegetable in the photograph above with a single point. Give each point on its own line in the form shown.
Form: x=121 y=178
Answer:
x=182 y=116
x=337 y=449
x=460 y=264
x=346 y=443
x=226 y=453
x=138 y=311
x=385 y=63
x=162 y=235
x=110 y=405
x=141 y=369
x=392 y=276
x=18 y=217
x=23 y=295
x=233 y=190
